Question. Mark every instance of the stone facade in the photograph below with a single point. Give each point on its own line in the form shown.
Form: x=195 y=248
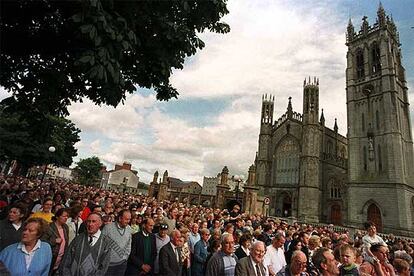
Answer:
x=313 y=173
x=381 y=175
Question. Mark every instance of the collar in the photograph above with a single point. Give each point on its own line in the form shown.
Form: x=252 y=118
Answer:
x=145 y=233
x=173 y=246
x=22 y=247
x=97 y=234
x=253 y=262
x=194 y=235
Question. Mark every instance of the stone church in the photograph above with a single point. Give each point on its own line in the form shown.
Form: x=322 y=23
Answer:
x=315 y=174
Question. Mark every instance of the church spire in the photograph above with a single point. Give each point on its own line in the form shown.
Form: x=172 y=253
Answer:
x=335 y=126
x=322 y=120
x=289 y=108
x=381 y=17
x=350 y=34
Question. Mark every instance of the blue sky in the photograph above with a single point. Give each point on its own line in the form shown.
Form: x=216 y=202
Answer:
x=273 y=45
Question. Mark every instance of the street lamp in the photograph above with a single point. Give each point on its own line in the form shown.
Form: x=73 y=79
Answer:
x=238 y=179
x=51 y=149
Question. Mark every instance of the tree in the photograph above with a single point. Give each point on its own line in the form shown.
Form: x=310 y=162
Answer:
x=56 y=52
x=88 y=170
x=27 y=138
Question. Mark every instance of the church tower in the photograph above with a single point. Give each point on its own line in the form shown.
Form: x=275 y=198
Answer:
x=309 y=183
x=380 y=145
x=265 y=141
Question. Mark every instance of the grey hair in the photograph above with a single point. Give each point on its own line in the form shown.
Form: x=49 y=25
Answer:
x=256 y=244
x=225 y=236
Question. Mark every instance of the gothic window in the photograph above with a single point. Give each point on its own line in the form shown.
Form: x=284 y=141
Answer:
x=342 y=153
x=376 y=58
x=287 y=162
x=365 y=159
x=360 y=64
x=377 y=119
x=363 y=121
x=335 y=189
x=379 y=158
x=329 y=148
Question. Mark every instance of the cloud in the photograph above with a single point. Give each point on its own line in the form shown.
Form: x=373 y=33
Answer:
x=272 y=47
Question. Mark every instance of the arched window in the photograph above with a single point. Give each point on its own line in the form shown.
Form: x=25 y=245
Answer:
x=329 y=147
x=363 y=121
x=365 y=159
x=286 y=162
x=376 y=58
x=377 y=119
x=360 y=64
x=379 y=158
x=335 y=188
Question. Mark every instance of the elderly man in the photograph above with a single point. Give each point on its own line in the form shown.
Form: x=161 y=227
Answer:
x=194 y=237
x=297 y=265
x=89 y=252
x=325 y=262
x=275 y=257
x=120 y=234
x=143 y=252
x=253 y=265
x=170 y=261
x=11 y=228
x=223 y=262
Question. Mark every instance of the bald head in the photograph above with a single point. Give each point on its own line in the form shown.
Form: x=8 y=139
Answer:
x=175 y=237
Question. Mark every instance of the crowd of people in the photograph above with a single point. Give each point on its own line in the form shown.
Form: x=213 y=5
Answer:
x=53 y=228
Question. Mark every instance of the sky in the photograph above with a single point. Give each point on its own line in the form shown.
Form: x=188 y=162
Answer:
x=273 y=45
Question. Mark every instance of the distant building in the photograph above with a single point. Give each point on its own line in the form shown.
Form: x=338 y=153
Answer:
x=122 y=179
x=59 y=172
x=210 y=185
x=51 y=171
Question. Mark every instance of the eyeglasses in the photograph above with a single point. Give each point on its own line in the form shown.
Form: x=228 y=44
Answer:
x=301 y=263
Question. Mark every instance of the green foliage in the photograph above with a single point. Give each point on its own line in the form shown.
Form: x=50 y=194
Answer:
x=55 y=52
x=88 y=170
x=26 y=136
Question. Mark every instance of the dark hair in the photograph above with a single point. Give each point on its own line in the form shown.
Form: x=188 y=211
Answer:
x=368 y=224
x=376 y=247
x=42 y=225
x=319 y=257
x=214 y=244
x=74 y=211
x=122 y=212
x=21 y=207
x=61 y=211
x=244 y=238
x=267 y=227
x=46 y=200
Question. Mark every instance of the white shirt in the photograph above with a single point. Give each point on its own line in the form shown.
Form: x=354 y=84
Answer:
x=266 y=273
x=95 y=237
x=275 y=258
x=17 y=226
x=175 y=249
x=28 y=256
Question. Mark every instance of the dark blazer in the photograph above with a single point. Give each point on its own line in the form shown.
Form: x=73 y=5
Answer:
x=50 y=237
x=168 y=261
x=245 y=267
x=240 y=253
x=136 y=258
x=9 y=234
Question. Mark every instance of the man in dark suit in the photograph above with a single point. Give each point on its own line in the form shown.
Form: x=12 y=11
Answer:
x=253 y=265
x=170 y=256
x=143 y=251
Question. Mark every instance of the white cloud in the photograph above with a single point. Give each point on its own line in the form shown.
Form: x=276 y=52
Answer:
x=272 y=47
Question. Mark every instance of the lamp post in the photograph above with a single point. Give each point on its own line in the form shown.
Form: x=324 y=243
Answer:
x=51 y=149
x=238 y=179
